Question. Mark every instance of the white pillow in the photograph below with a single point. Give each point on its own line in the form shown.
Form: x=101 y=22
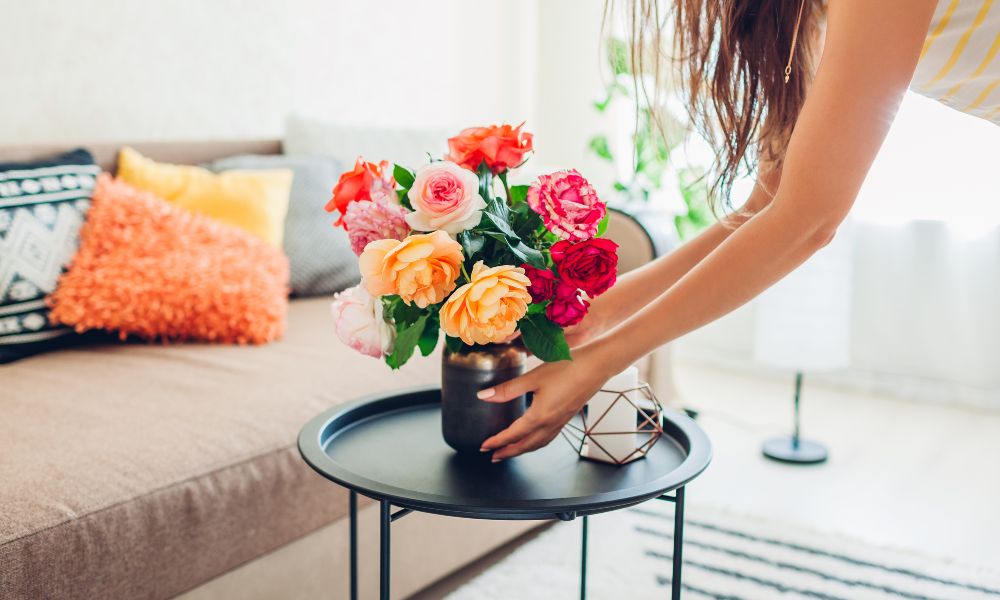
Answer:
x=408 y=147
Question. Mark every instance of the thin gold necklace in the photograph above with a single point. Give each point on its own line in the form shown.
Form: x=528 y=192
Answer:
x=795 y=40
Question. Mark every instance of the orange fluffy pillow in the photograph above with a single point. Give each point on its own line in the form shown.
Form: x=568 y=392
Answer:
x=148 y=268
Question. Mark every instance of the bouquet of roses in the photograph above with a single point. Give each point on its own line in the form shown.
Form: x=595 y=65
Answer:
x=452 y=247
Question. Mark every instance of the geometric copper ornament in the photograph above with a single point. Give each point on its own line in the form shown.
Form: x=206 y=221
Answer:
x=649 y=425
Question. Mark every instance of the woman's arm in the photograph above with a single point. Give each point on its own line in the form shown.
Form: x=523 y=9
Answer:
x=637 y=288
x=870 y=54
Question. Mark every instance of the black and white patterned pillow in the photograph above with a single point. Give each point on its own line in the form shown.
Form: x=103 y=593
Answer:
x=42 y=207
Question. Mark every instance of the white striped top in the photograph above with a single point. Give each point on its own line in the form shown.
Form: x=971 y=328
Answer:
x=957 y=65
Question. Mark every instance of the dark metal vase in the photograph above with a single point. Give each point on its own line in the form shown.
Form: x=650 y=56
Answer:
x=467 y=421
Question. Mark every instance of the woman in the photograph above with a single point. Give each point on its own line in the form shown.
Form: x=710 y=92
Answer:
x=811 y=133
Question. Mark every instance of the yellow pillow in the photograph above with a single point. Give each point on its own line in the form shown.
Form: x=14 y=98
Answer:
x=256 y=201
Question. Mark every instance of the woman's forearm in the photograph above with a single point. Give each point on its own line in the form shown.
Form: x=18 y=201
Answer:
x=760 y=252
x=639 y=287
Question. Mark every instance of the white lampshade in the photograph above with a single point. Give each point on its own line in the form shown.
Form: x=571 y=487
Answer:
x=803 y=321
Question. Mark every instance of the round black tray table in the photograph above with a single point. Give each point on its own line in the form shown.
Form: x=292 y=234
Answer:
x=389 y=447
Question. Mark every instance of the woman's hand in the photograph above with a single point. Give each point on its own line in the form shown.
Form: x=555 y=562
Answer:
x=560 y=391
x=601 y=317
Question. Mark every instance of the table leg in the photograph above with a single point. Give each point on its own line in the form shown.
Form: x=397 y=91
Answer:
x=353 y=511
x=675 y=579
x=383 y=563
x=583 y=561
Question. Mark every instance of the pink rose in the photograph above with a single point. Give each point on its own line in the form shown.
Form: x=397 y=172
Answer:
x=568 y=204
x=377 y=219
x=543 y=283
x=568 y=307
x=445 y=197
x=360 y=323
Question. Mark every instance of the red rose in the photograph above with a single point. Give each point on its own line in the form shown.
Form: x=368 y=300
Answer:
x=591 y=265
x=543 y=283
x=501 y=146
x=355 y=185
x=567 y=307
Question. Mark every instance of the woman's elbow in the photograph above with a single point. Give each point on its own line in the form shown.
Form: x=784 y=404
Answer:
x=821 y=234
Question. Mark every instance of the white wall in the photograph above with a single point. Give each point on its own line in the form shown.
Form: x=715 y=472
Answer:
x=196 y=69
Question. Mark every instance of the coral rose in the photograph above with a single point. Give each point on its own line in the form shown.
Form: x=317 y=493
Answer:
x=487 y=309
x=421 y=269
x=502 y=147
x=567 y=307
x=568 y=204
x=591 y=265
x=543 y=283
x=357 y=185
x=360 y=322
x=445 y=196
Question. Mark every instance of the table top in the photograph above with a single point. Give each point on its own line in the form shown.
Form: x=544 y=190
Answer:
x=389 y=446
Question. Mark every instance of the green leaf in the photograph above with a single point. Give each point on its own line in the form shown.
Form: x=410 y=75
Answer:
x=602 y=226
x=599 y=145
x=472 y=243
x=403 y=176
x=429 y=337
x=529 y=255
x=453 y=344
x=403 y=313
x=407 y=337
x=404 y=200
x=518 y=194
x=537 y=308
x=544 y=338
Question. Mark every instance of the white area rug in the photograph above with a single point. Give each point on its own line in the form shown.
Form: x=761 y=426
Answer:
x=726 y=557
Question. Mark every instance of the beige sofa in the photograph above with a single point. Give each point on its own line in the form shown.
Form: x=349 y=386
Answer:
x=154 y=471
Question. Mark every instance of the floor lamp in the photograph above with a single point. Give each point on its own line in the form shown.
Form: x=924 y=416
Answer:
x=803 y=326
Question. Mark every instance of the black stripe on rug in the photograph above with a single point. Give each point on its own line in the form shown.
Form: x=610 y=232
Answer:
x=770 y=583
x=818 y=552
x=781 y=565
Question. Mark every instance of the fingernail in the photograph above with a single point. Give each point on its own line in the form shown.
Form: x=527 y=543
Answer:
x=496 y=460
x=484 y=394
x=484 y=449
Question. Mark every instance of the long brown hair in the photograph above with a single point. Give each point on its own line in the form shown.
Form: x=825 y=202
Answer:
x=729 y=58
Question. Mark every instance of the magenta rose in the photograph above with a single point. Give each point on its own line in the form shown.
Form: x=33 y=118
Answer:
x=568 y=204
x=591 y=265
x=567 y=307
x=543 y=283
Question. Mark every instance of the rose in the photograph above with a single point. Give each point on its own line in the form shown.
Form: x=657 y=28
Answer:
x=501 y=146
x=567 y=307
x=543 y=283
x=591 y=265
x=487 y=309
x=376 y=219
x=445 y=196
x=356 y=185
x=568 y=204
x=421 y=269
x=360 y=323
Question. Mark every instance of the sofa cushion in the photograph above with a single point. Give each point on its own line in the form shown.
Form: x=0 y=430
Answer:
x=42 y=207
x=151 y=269
x=320 y=255
x=256 y=201
x=134 y=471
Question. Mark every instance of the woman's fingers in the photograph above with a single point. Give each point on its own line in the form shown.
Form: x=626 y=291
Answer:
x=532 y=441
x=508 y=390
x=517 y=430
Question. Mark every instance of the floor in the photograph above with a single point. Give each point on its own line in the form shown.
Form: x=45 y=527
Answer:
x=901 y=474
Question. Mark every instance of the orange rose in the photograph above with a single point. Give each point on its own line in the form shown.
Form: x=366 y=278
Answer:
x=487 y=309
x=421 y=269
x=356 y=185
x=501 y=146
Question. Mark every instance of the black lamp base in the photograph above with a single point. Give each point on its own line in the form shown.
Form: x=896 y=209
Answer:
x=784 y=449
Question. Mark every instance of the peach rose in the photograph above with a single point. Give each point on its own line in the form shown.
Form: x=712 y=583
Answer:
x=487 y=309
x=421 y=269
x=502 y=147
x=445 y=196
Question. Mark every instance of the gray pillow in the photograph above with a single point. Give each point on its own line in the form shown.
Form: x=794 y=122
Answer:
x=319 y=254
